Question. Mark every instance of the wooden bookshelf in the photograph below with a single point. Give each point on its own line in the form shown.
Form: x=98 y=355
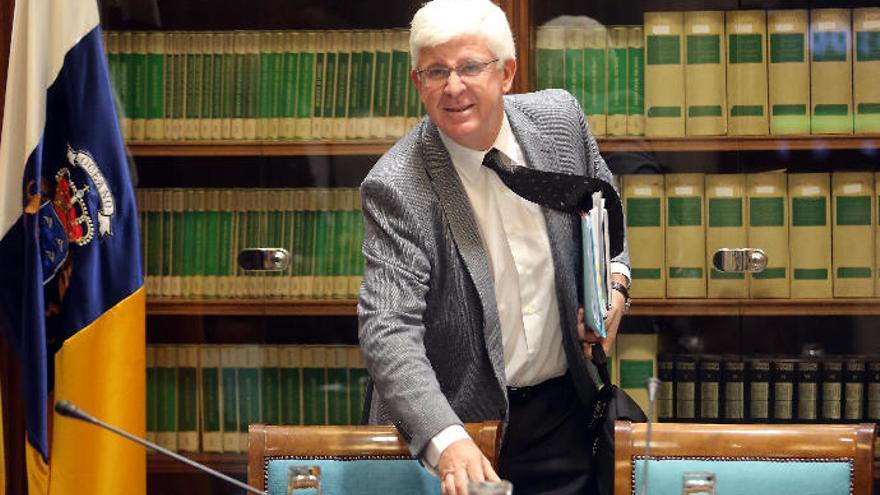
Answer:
x=378 y=147
x=640 y=307
x=251 y=307
x=225 y=463
x=754 y=307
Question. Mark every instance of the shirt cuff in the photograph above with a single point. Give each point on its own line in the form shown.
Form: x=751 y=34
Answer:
x=438 y=444
x=618 y=267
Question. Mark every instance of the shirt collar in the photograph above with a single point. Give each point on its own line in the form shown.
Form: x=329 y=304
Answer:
x=468 y=162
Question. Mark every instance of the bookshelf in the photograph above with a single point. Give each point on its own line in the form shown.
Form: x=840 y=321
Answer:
x=258 y=148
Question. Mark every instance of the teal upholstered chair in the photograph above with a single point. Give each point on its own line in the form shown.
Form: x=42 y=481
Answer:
x=775 y=459
x=362 y=460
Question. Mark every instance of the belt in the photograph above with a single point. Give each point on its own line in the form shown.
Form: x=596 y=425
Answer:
x=520 y=394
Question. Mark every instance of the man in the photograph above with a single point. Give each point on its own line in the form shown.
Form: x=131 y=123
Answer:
x=469 y=306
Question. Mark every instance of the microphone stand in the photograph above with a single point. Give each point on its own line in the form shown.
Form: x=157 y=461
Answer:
x=69 y=410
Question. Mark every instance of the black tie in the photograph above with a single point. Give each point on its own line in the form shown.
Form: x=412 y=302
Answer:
x=564 y=192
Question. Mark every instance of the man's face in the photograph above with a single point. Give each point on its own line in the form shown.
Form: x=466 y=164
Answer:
x=468 y=109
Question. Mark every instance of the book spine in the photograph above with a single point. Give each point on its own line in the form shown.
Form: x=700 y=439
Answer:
x=310 y=253
x=382 y=42
x=267 y=84
x=414 y=111
x=853 y=234
x=358 y=381
x=635 y=81
x=645 y=205
x=768 y=231
x=193 y=86
x=725 y=227
x=637 y=362
x=210 y=399
x=854 y=389
x=342 y=211
x=832 y=390
x=710 y=389
x=356 y=270
x=138 y=82
x=810 y=235
x=124 y=82
x=734 y=394
x=666 y=395
x=664 y=74
x=290 y=362
x=399 y=85
x=208 y=46
x=188 y=252
x=180 y=86
x=287 y=123
x=808 y=377
x=229 y=398
x=704 y=73
x=550 y=57
x=319 y=84
x=866 y=69
x=238 y=83
x=211 y=243
x=758 y=398
x=247 y=359
x=337 y=386
x=252 y=86
x=595 y=91
x=686 y=236
x=747 y=73
x=343 y=86
x=368 y=68
x=218 y=77
x=314 y=385
x=617 y=81
x=783 y=384
x=187 y=398
x=305 y=88
x=155 y=111
x=831 y=66
x=328 y=106
x=178 y=238
x=685 y=388
x=270 y=385
x=276 y=89
x=872 y=391
x=170 y=83
x=573 y=61
x=166 y=400
x=788 y=71
x=152 y=393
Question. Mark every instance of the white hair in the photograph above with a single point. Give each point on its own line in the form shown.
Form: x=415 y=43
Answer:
x=440 y=21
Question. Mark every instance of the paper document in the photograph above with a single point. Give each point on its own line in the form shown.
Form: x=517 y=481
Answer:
x=596 y=263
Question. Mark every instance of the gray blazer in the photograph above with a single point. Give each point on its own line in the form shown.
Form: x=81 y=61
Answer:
x=428 y=320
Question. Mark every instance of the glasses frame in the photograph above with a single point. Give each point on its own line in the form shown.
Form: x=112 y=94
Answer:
x=449 y=70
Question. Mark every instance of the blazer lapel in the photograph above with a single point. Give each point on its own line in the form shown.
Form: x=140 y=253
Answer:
x=466 y=235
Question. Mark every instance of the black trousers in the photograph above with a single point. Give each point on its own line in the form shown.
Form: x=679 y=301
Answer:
x=546 y=448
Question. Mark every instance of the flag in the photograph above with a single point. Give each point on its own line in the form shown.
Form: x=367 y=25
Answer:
x=72 y=285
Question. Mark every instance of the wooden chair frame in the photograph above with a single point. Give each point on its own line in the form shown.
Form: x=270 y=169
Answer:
x=812 y=441
x=345 y=442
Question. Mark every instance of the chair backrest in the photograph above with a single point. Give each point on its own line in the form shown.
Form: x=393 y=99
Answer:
x=353 y=459
x=778 y=459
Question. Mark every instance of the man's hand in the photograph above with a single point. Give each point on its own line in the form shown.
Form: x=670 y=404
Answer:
x=612 y=321
x=460 y=462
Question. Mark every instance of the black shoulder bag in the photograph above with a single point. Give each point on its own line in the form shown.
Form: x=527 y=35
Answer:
x=611 y=404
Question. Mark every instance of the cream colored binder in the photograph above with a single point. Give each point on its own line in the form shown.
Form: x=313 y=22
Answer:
x=853 y=233
x=635 y=77
x=768 y=230
x=617 y=82
x=645 y=230
x=747 y=73
x=810 y=235
x=595 y=56
x=636 y=360
x=725 y=228
x=664 y=74
x=704 y=73
x=866 y=69
x=685 y=236
x=789 y=71
x=831 y=71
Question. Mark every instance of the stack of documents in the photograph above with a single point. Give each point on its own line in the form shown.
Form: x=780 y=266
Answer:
x=596 y=262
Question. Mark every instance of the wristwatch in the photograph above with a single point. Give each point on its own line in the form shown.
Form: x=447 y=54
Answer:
x=619 y=287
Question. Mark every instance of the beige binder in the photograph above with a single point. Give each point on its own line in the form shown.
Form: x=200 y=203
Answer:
x=685 y=236
x=645 y=230
x=831 y=71
x=768 y=230
x=725 y=228
x=810 y=235
x=789 y=71
x=746 y=73
x=664 y=74
x=866 y=69
x=853 y=227
x=704 y=73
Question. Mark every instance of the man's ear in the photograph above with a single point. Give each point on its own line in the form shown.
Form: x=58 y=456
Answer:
x=509 y=72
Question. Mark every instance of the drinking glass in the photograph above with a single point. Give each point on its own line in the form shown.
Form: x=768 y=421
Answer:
x=304 y=477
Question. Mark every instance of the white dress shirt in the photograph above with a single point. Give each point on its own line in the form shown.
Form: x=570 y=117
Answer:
x=514 y=234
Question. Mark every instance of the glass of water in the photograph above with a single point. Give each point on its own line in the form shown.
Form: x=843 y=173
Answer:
x=304 y=478
x=698 y=483
x=490 y=487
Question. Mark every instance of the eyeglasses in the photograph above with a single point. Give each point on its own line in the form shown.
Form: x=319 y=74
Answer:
x=437 y=75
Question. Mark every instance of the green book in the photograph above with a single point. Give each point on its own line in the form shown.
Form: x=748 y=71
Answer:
x=178 y=239
x=155 y=111
x=310 y=256
x=635 y=76
x=399 y=84
x=319 y=84
x=287 y=121
x=355 y=83
x=367 y=68
x=305 y=85
x=152 y=393
x=595 y=80
x=122 y=81
x=217 y=77
x=170 y=84
x=343 y=207
x=290 y=361
x=187 y=398
x=324 y=228
x=297 y=261
x=574 y=63
x=550 y=57
x=327 y=107
x=269 y=386
x=382 y=42
x=209 y=405
x=343 y=85
x=229 y=398
x=357 y=384
x=275 y=86
x=617 y=82
x=247 y=358
x=314 y=385
x=166 y=397
x=164 y=197
x=239 y=80
x=138 y=86
x=207 y=78
x=154 y=235
x=180 y=86
x=357 y=255
x=267 y=82
x=210 y=215
x=337 y=386
x=193 y=95
x=189 y=254
x=225 y=254
x=252 y=86
x=228 y=85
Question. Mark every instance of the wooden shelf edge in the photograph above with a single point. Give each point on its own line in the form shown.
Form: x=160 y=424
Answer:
x=258 y=148
x=225 y=463
x=754 y=307
x=251 y=307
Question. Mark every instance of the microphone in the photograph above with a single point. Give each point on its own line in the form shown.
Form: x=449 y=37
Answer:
x=69 y=410
x=652 y=384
